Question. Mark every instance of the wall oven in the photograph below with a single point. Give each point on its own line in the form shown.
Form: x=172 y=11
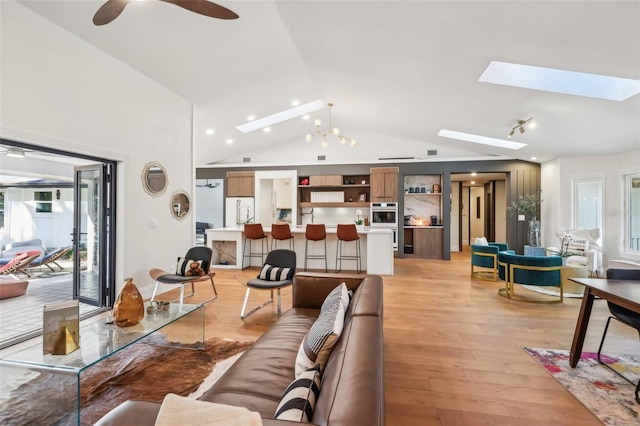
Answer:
x=385 y=215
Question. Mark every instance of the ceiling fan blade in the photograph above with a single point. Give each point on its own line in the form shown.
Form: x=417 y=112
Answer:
x=204 y=7
x=109 y=11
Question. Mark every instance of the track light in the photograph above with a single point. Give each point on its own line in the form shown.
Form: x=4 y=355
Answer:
x=520 y=126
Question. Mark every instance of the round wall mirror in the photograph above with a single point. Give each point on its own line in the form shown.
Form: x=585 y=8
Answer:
x=154 y=178
x=180 y=204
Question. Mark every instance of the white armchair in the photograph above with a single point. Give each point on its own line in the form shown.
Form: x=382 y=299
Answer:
x=582 y=245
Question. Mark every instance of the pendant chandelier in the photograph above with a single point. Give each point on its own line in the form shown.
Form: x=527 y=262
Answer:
x=330 y=131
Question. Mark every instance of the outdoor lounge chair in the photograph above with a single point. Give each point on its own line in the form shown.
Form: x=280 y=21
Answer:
x=19 y=263
x=51 y=257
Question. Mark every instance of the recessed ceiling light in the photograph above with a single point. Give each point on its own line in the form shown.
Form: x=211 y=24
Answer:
x=229 y=141
x=267 y=129
x=473 y=174
x=473 y=182
x=209 y=132
x=560 y=81
x=306 y=117
x=533 y=158
x=281 y=116
x=251 y=117
x=480 y=139
x=295 y=102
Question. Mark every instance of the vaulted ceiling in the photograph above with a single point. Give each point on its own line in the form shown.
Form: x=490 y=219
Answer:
x=397 y=72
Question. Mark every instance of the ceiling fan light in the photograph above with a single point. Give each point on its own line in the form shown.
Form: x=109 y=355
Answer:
x=317 y=122
x=308 y=138
x=521 y=130
x=335 y=131
x=324 y=143
x=354 y=143
x=343 y=140
x=511 y=133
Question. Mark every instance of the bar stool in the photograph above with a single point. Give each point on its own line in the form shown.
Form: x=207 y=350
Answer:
x=348 y=233
x=315 y=232
x=281 y=232
x=254 y=231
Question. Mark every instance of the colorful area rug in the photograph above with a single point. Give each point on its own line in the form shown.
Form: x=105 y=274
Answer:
x=142 y=371
x=607 y=395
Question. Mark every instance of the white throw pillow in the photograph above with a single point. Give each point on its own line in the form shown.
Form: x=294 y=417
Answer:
x=482 y=241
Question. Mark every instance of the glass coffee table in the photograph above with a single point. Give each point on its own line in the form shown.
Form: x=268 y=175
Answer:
x=182 y=326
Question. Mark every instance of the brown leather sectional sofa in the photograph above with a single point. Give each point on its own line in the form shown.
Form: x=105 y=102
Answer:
x=352 y=391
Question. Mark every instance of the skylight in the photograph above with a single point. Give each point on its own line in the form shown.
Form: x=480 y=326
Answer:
x=484 y=140
x=279 y=117
x=560 y=81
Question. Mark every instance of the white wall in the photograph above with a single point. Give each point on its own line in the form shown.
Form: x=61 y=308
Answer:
x=61 y=92
x=557 y=183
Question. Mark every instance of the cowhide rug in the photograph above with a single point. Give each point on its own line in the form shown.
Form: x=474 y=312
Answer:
x=142 y=371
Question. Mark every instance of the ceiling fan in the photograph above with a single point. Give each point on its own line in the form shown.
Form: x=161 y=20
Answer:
x=113 y=8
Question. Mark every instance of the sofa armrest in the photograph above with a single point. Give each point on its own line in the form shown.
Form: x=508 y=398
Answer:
x=310 y=289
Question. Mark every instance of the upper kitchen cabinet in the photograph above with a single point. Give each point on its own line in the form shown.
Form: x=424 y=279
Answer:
x=240 y=184
x=384 y=184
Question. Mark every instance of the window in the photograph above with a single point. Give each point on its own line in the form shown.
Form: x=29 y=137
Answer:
x=632 y=232
x=587 y=201
x=44 y=201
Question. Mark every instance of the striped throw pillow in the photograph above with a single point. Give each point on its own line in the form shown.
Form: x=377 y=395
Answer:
x=184 y=264
x=321 y=338
x=275 y=273
x=338 y=293
x=300 y=398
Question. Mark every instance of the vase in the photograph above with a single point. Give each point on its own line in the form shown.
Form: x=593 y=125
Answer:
x=534 y=232
x=129 y=307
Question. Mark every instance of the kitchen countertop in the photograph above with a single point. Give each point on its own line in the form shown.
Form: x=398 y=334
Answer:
x=300 y=229
x=421 y=226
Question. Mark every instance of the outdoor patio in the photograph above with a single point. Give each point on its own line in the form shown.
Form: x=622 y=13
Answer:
x=21 y=317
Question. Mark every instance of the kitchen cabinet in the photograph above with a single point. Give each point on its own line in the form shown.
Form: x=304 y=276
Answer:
x=384 y=184
x=240 y=184
x=427 y=242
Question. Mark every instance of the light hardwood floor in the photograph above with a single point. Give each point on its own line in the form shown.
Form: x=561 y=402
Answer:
x=452 y=347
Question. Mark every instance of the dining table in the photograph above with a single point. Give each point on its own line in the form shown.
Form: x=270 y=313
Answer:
x=625 y=293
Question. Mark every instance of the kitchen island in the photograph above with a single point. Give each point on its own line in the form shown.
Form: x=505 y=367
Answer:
x=376 y=249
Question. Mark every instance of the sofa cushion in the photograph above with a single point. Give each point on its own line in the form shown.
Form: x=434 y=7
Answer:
x=275 y=273
x=300 y=397
x=321 y=338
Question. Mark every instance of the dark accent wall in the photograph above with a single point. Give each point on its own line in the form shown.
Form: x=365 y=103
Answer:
x=522 y=178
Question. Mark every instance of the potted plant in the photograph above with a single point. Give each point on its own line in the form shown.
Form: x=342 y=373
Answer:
x=527 y=205
x=358 y=221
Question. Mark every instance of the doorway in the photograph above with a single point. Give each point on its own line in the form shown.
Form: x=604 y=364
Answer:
x=478 y=208
x=40 y=201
